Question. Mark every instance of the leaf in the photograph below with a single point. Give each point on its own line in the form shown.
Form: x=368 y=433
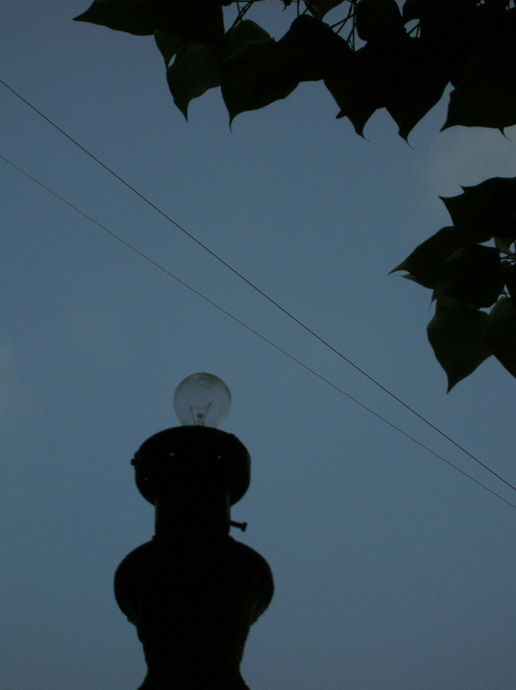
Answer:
x=197 y=22
x=262 y=71
x=485 y=96
x=362 y=84
x=245 y=32
x=504 y=244
x=485 y=210
x=510 y=279
x=472 y=275
x=167 y=45
x=196 y=69
x=420 y=86
x=318 y=8
x=393 y=71
x=457 y=30
x=500 y=334
x=311 y=50
x=424 y=263
x=456 y=334
x=355 y=102
x=250 y=79
x=376 y=17
x=422 y=9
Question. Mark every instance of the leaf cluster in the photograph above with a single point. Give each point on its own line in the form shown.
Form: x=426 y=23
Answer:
x=474 y=285
x=405 y=60
x=376 y=54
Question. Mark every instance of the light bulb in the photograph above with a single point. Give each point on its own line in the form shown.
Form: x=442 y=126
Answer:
x=202 y=400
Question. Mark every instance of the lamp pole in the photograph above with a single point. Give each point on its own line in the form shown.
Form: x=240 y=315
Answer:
x=193 y=591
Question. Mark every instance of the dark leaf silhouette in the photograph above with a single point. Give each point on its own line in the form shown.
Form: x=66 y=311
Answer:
x=263 y=71
x=250 y=79
x=503 y=244
x=365 y=82
x=500 y=334
x=485 y=210
x=200 y=21
x=421 y=83
x=466 y=42
x=196 y=68
x=318 y=8
x=394 y=72
x=311 y=50
x=457 y=31
x=244 y=32
x=167 y=45
x=375 y=18
x=456 y=334
x=485 y=96
x=472 y=275
x=380 y=54
x=434 y=10
x=425 y=262
x=510 y=280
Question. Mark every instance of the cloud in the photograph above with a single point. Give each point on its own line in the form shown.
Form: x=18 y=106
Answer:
x=467 y=156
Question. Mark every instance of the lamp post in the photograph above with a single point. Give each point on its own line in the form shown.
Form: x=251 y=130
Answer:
x=193 y=591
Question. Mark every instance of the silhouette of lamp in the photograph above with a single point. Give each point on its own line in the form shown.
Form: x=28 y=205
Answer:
x=193 y=591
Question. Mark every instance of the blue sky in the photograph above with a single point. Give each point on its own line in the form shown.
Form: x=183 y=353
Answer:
x=392 y=570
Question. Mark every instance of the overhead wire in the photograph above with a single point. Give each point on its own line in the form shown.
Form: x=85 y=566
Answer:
x=261 y=292
x=249 y=328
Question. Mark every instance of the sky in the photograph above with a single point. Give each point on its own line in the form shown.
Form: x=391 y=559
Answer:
x=392 y=569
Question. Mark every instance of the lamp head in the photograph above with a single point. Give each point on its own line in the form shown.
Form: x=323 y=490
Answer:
x=202 y=400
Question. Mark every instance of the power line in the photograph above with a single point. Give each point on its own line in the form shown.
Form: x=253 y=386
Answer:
x=259 y=290
x=250 y=329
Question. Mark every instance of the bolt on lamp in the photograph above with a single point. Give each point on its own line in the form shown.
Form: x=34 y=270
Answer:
x=193 y=591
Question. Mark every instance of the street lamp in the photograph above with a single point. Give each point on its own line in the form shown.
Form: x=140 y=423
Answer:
x=193 y=591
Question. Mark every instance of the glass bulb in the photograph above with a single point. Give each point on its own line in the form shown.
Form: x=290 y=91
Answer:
x=202 y=400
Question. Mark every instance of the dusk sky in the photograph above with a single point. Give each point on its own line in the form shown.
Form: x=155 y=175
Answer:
x=393 y=571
